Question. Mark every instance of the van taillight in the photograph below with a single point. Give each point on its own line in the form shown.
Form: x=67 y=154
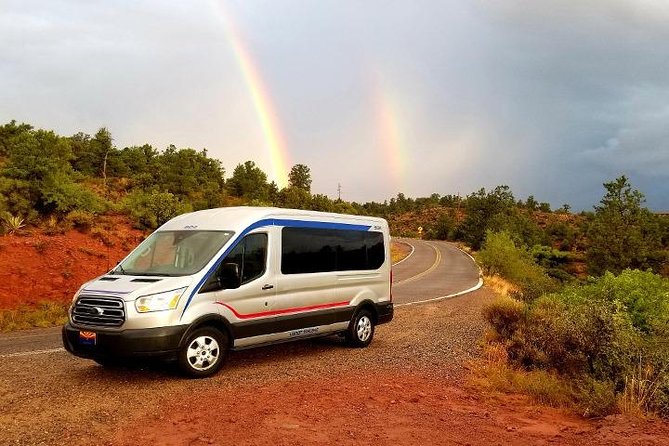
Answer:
x=391 y=284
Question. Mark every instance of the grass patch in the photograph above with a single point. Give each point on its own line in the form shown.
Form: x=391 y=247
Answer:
x=399 y=251
x=44 y=314
x=501 y=286
x=543 y=387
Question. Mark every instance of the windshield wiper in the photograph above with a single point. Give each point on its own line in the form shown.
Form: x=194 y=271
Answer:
x=119 y=266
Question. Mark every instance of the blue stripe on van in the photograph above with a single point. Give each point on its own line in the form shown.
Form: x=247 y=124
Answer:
x=271 y=222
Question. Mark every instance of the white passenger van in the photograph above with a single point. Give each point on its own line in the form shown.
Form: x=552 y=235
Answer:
x=231 y=278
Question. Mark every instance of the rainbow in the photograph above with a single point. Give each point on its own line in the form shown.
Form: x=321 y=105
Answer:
x=389 y=132
x=261 y=99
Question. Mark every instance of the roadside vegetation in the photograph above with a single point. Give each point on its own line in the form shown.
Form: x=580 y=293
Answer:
x=582 y=319
x=601 y=343
x=44 y=314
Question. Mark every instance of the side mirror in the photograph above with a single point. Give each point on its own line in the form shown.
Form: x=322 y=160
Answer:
x=229 y=276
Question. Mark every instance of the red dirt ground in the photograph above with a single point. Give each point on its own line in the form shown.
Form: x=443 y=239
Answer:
x=381 y=409
x=35 y=267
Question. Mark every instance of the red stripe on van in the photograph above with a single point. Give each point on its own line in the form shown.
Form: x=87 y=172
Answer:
x=284 y=311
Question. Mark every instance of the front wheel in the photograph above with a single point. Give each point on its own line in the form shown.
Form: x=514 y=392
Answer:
x=203 y=353
x=361 y=329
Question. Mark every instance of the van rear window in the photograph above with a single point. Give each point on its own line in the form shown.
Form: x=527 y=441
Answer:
x=313 y=250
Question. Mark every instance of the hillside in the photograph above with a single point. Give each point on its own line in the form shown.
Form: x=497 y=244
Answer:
x=36 y=266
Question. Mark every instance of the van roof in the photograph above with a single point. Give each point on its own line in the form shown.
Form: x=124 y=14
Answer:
x=238 y=218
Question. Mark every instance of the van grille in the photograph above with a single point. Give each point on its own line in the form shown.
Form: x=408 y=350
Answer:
x=99 y=310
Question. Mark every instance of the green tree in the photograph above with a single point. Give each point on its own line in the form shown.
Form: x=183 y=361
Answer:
x=90 y=155
x=481 y=208
x=323 y=203
x=531 y=203
x=152 y=209
x=295 y=198
x=300 y=177
x=8 y=133
x=249 y=182
x=39 y=163
x=623 y=234
x=190 y=175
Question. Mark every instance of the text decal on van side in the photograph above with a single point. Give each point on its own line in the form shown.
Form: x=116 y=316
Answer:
x=303 y=331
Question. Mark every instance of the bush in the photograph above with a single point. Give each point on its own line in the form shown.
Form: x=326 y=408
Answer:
x=611 y=335
x=501 y=256
x=81 y=220
x=504 y=314
x=152 y=209
x=597 y=398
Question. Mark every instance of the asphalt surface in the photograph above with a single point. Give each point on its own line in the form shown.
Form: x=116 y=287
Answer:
x=434 y=269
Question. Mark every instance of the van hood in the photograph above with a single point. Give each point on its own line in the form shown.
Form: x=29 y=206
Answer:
x=130 y=287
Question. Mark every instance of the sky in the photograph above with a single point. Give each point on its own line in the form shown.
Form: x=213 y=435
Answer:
x=552 y=98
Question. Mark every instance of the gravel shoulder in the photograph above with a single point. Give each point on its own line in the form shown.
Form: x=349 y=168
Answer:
x=409 y=387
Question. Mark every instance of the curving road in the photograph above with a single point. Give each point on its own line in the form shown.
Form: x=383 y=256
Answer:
x=434 y=270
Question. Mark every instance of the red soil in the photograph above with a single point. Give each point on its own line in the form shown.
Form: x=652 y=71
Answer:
x=35 y=267
x=380 y=409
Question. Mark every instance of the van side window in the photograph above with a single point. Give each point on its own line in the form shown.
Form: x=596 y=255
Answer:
x=255 y=257
x=250 y=255
x=313 y=250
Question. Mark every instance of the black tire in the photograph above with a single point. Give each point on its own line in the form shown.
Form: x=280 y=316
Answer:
x=360 y=331
x=203 y=353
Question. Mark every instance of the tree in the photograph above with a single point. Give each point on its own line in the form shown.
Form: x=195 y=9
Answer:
x=482 y=208
x=300 y=177
x=39 y=164
x=531 y=203
x=623 y=234
x=89 y=155
x=8 y=132
x=249 y=182
x=190 y=175
x=295 y=198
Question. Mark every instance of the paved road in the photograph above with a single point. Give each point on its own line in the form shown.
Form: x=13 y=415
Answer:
x=434 y=269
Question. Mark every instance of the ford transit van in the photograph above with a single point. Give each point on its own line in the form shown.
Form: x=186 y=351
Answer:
x=225 y=279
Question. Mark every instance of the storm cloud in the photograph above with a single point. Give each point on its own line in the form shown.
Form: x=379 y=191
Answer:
x=552 y=98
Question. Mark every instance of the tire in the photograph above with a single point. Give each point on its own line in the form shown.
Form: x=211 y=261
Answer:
x=361 y=329
x=203 y=353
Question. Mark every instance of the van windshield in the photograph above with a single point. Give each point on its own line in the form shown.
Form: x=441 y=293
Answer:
x=173 y=253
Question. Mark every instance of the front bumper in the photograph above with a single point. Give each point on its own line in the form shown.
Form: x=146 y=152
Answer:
x=157 y=342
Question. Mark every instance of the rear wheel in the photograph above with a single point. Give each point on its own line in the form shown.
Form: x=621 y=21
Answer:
x=361 y=329
x=203 y=353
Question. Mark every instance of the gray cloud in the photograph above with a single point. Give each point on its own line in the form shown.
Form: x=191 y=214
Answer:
x=552 y=97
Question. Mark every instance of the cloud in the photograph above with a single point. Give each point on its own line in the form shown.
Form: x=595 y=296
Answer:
x=552 y=98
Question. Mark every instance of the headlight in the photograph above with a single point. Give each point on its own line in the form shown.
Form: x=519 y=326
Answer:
x=167 y=300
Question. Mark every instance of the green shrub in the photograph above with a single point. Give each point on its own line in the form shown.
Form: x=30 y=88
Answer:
x=504 y=314
x=597 y=398
x=444 y=228
x=43 y=314
x=81 y=220
x=501 y=256
x=152 y=209
x=611 y=334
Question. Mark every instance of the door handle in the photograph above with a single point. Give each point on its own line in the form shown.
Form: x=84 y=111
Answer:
x=267 y=287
